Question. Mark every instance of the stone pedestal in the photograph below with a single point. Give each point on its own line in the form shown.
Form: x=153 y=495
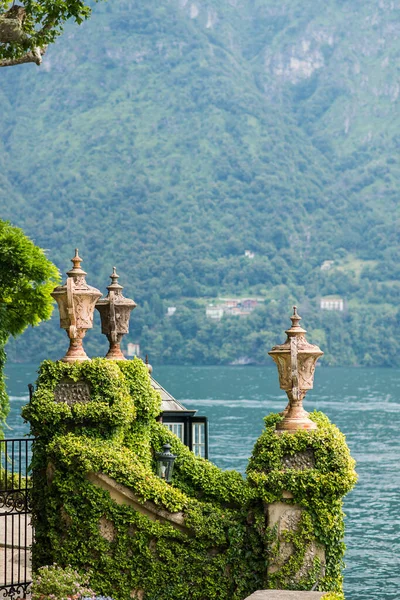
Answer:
x=286 y=518
x=285 y=595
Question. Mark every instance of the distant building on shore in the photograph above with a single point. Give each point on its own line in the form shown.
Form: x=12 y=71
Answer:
x=133 y=349
x=249 y=304
x=332 y=303
x=214 y=312
x=327 y=264
x=238 y=307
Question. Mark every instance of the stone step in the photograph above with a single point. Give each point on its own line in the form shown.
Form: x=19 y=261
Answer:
x=285 y=595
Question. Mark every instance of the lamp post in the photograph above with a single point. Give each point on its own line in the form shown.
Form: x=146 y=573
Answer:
x=115 y=311
x=296 y=360
x=165 y=463
x=76 y=300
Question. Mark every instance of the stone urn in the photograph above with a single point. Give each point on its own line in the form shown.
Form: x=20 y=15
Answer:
x=296 y=359
x=76 y=301
x=115 y=311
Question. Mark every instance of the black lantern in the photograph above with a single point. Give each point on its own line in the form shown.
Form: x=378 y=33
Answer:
x=165 y=463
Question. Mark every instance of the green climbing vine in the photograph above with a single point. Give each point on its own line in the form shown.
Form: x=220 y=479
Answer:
x=318 y=491
x=226 y=544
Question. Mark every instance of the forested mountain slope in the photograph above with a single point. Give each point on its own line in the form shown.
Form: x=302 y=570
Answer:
x=169 y=137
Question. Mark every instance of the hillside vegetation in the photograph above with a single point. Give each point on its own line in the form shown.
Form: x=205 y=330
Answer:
x=169 y=137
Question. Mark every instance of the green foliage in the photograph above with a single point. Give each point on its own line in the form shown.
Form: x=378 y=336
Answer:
x=199 y=477
x=223 y=551
x=55 y=583
x=26 y=279
x=208 y=153
x=319 y=491
x=11 y=481
x=147 y=401
x=67 y=527
x=110 y=408
x=43 y=23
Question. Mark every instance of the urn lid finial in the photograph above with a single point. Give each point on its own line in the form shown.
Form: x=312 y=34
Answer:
x=114 y=285
x=148 y=365
x=76 y=270
x=295 y=318
x=296 y=328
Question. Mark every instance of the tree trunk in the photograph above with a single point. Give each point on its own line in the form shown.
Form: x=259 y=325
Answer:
x=11 y=31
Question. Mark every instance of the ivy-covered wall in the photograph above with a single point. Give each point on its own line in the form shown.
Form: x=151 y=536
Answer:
x=227 y=545
x=317 y=491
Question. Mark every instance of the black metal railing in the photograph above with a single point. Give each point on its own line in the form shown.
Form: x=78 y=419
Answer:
x=15 y=518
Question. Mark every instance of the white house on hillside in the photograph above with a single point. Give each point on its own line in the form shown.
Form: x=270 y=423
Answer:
x=332 y=304
x=133 y=349
x=214 y=312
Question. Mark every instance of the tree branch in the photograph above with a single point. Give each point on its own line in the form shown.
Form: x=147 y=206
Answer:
x=26 y=32
x=34 y=55
x=49 y=25
x=11 y=31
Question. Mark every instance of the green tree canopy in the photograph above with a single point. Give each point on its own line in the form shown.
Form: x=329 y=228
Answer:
x=26 y=31
x=27 y=278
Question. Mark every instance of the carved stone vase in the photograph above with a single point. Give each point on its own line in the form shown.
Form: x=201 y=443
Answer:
x=76 y=301
x=115 y=311
x=296 y=360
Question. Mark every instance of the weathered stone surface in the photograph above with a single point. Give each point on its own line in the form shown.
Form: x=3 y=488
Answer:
x=287 y=495
x=285 y=595
x=107 y=529
x=137 y=594
x=313 y=551
x=300 y=461
x=286 y=518
x=72 y=393
x=124 y=496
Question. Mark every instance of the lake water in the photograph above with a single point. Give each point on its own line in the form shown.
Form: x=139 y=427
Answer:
x=364 y=403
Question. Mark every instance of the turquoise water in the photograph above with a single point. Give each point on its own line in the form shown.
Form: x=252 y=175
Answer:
x=364 y=403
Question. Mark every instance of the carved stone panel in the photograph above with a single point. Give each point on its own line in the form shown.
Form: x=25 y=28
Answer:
x=284 y=518
x=307 y=370
x=299 y=461
x=72 y=392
